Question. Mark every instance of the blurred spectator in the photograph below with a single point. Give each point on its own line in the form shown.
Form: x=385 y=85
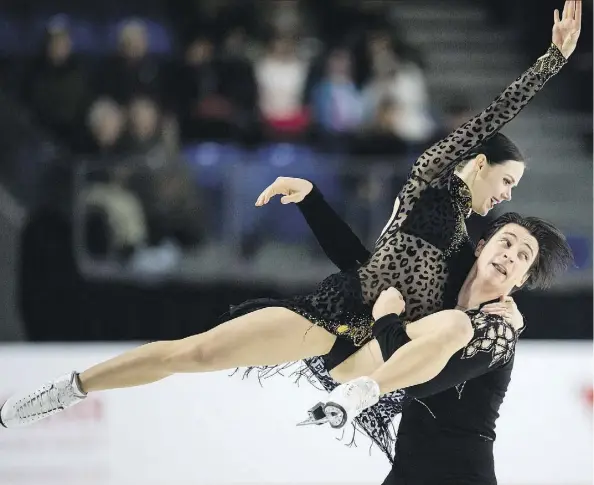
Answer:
x=336 y=101
x=281 y=75
x=160 y=179
x=142 y=197
x=239 y=82
x=106 y=123
x=143 y=123
x=285 y=16
x=203 y=109
x=379 y=138
x=131 y=71
x=456 y=111
x=404 y=84
x=296 y=19
x=114 y=219
x=235 y=44
x=56 y=87
x=115 y=223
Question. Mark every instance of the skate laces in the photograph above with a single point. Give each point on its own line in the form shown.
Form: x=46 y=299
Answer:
x=46 y=400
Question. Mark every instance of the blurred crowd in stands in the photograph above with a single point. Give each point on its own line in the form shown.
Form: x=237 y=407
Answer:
x=239 y=74
x=150 y=97
x=153 y=102
x=247 y=71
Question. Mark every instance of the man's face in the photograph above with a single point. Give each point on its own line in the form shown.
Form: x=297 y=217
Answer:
x=507 y=257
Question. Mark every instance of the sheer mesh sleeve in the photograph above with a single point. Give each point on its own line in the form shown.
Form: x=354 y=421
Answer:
x=448 y=152
x=500 y=112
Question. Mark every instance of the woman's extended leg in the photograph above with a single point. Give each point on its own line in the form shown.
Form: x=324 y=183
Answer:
x=264 y=337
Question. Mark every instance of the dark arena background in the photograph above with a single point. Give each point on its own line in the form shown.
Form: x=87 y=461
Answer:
x=135 y=139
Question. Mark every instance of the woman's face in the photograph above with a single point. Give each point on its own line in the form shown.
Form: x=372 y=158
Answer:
x=493 y=184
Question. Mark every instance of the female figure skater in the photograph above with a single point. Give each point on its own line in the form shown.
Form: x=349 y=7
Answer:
x=453 y=430
x=414 y=254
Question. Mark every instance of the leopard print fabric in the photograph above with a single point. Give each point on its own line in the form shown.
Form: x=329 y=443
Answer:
x=415 y=258
x=413 y=251
x=429 y=225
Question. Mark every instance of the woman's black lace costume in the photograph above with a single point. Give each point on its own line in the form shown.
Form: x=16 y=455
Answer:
x=424 y=240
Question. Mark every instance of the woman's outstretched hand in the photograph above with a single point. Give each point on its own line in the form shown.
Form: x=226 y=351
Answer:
x=294 y=190
x=566 y=29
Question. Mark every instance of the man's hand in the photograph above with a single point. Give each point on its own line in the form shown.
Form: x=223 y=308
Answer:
x=507 y=309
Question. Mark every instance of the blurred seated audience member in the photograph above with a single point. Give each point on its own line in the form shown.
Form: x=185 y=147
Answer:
x=404 y=83
x=380 y=137
x=160 y=179
x=115 y=223
x=281 y=75
x=144 y=130
x=203 y=109
x=106 y=124
x=239 y=80
x=108 y=205
x=336 y=101
x=295 y=19
x=456 y=111
x=56 y=86
x=283 y=16
x=131 y=70
x=372 y=41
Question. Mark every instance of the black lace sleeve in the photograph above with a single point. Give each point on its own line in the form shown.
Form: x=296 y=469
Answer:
x=492 y=347
x=501 y=111
x=336 y=238
x=448 y=152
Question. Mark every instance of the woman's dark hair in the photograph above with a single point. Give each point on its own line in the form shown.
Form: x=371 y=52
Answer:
x=498 y=149
x=554 y=254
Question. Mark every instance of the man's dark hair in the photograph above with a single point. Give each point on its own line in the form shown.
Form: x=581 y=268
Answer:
x=554 y=254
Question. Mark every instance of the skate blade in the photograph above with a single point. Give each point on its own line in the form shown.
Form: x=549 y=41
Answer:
x=311 y=420
x=317 y=416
